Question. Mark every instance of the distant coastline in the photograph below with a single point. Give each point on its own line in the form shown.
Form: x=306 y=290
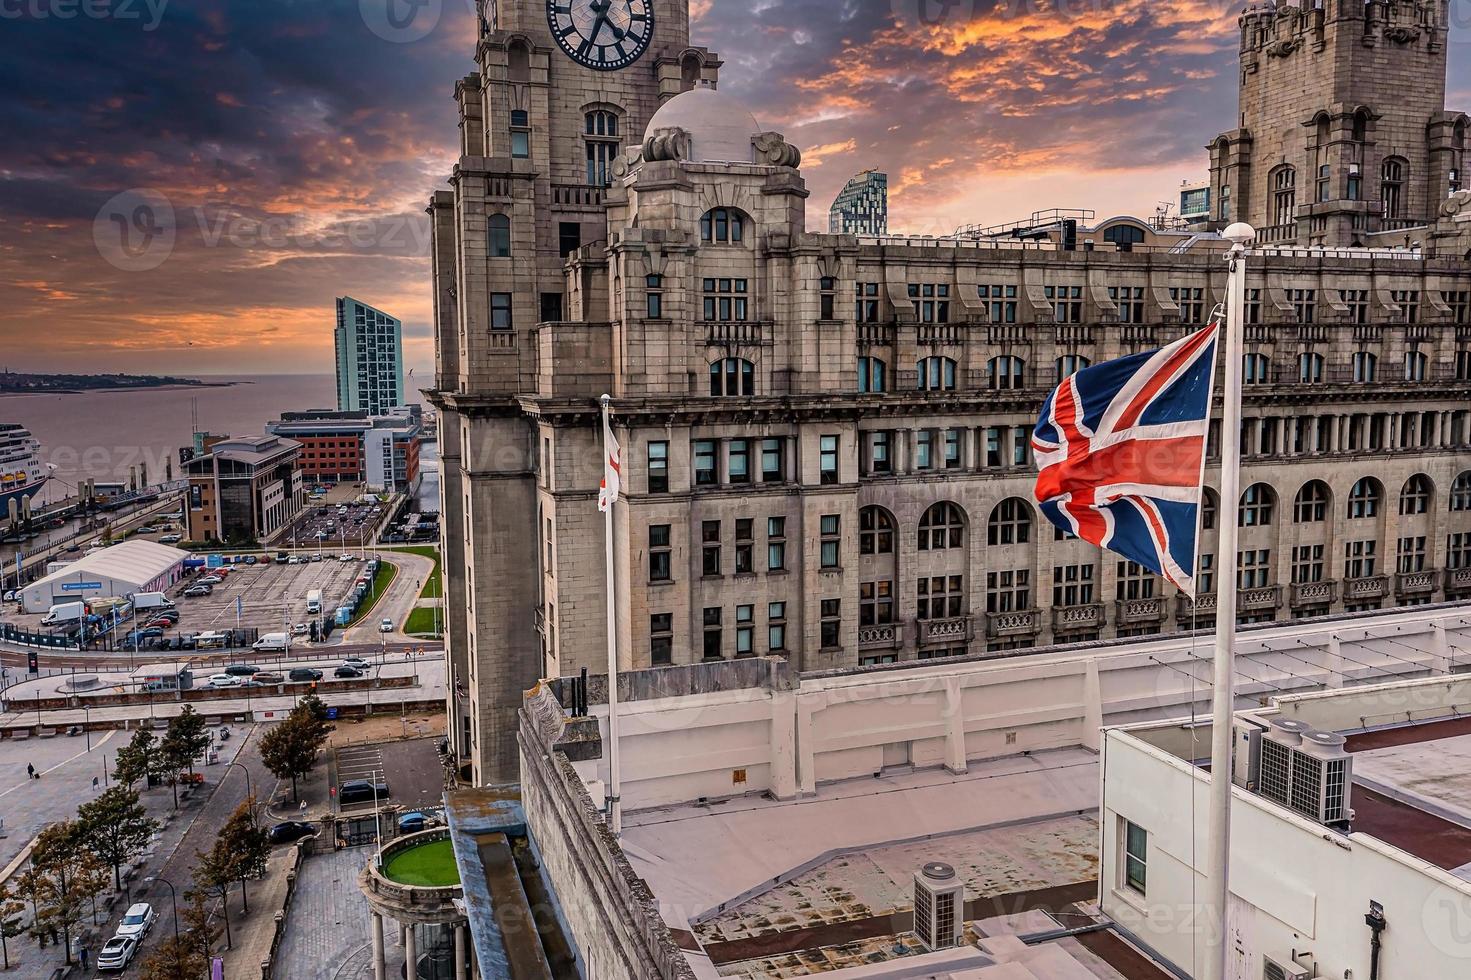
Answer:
x=16 y=383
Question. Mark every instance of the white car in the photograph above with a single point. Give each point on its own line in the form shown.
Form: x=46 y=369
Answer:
x=117 y=953
x=386 y=626
x=300 y=629
x=348 y=558
x=137 y=921
x=224 y=680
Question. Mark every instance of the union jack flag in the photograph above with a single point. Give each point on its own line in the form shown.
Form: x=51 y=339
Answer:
x=1121 y=454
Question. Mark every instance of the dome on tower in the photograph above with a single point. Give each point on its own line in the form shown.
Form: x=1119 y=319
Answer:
x=719 y=126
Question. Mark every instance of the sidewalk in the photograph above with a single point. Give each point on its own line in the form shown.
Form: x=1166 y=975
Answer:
x=257 y=934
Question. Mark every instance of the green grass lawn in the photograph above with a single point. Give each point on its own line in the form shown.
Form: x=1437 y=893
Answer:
x=434 y=585
x=422 y=622
x=386 y=572
x=429 y=865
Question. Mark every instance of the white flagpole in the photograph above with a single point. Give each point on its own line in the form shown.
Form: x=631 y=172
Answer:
x=1223 y=686
x=615 y=782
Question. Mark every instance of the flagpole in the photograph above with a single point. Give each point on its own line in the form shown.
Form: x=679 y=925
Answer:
x=1223 y=687
x=615 y=775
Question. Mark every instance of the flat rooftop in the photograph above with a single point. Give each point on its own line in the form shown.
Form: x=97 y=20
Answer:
x=763 y=889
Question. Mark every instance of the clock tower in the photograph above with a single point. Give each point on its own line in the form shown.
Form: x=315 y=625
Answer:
x=562 y=88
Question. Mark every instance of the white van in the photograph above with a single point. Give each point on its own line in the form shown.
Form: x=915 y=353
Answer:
x=271 y=643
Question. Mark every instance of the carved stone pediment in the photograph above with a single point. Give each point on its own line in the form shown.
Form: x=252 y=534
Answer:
x=1284 y=47
x=1402 y=35
x=773 y=150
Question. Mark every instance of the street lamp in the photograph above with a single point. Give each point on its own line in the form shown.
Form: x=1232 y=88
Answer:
x=174 y=897
x=249 y=792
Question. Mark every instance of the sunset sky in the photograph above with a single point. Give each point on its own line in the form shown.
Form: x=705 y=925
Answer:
x=297 y=148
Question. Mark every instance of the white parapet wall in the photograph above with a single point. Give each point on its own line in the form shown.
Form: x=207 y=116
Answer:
x=773 y=732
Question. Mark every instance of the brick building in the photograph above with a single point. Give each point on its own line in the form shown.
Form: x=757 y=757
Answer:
x=825 y=436
x=244 y=489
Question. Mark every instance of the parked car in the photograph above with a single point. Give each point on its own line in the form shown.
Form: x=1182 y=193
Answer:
x=386 y=626
x=414 y=821
x=145 y=529
x=224 y=680
x=305 y=674
x=198 y=591
x=357 y=662
x=242 y=670
x=172 y=615
x=347 y=558
x=290 y=832
x=139 y=636
x=161 y=623
x=316 y=558
x=9 y=595
x=138 y=920
x=347 y=672
x=210 y=580
x=167 y=539
x=362 y=791
x=300 y=629
x=117 y=953
x=251 y=560
x=265 y=679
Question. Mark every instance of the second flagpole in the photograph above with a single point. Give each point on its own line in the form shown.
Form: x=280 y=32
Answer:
x=615 y=775
x=1218 y=852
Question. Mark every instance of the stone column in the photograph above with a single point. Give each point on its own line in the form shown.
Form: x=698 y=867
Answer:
x=411 y=954
x=953 y=715
x=784 y=782
x=899 y=448
x=722 y=462
x=380 y=968
x=460 y=951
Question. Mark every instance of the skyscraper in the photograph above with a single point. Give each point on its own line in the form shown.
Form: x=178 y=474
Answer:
x=862 y=206
x=370 y=359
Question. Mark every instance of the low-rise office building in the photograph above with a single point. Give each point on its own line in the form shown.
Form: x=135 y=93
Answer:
x=244 y=488
x=379 y=451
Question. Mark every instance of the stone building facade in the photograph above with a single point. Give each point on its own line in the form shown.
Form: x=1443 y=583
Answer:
x=1343 y=137
x=825 y=436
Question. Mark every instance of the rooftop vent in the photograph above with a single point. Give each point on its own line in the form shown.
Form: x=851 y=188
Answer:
x=1307 y=771
x=939 y=906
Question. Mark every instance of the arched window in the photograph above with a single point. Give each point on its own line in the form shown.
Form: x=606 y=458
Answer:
x=1415 y=365
x=1207 y=509
x=1069 y=365
x=1255 y=369
x=1311 y=504
x=1414 y=498
x=500 y=236
x=1366 y=367
x=872 y=373
x=1125 y=236
x=1284 y=195
x=1392 y=176
x=732 y=376
x=942 y=527
x=1364 y=498
x=1461 y=492
x=725 y=225
x=1257 y=504
x=936 y=374
x=875 y=532
x=1310 y=368
x=600 y=129
x=1361 y=125
x=1010 y=523
x=518 y=61
x=1005 y=373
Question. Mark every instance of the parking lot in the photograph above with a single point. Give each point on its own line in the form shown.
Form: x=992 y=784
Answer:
x=326 y=522
x=271 y=595
x=411 y=768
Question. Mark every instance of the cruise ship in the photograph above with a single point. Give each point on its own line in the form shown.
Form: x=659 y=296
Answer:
x=22 y=474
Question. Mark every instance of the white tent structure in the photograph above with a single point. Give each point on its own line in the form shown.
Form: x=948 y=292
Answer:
x=121 y=570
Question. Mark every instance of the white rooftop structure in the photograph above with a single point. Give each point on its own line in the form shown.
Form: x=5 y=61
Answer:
x=720 y=126
x=121 y=570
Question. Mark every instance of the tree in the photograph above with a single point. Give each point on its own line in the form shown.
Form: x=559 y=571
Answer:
x=115 y=828
x=69 y=876
x=290 y=749
x=186 y=956
x=250 y=844
x=136 y=760
x=11 y=924
x=214 y=872
x=187 y=736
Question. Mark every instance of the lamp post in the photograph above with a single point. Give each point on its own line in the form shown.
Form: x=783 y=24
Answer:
x=249 y=792
x=174 y=898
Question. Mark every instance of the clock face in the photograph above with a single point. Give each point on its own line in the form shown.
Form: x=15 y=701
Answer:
x=604 y=35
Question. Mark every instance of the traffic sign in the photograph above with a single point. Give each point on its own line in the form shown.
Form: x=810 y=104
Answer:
x=79 y=586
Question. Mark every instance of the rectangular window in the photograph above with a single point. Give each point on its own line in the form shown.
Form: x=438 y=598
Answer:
x=725 y=300
x=1067 y=303
x=776 y=544
x=1021 y=445
x=776 y=626
x=940 y=597
x=569 y=237
x=831 y=624
x=659 y=562
x=1411 y=557
x=923 y=450
x=744 y=630
x=1191 y=300
x=866 y=295
x=1458 y=550
x=993 y=447
x=739 y=457
x=658 y=467
x=1072 y=585
x=931 y=302
x=876 y=603
x=654 y=297
x=1357 y=301
x=772 y=468
x=520 y=134
x=551 y=307
x=710 y=548
x=952 y=449
x=711 y=648
x=878 y=452
x=1008 y=591
x=705 y=473
x=744 y=546
x=1133 y=582
x=1136 y=856
x=1359 y=559
x=1253 y=306
x=661 y=639
x=1130 y=302
x=1307 y=564
x=831 y=543
x=500 y=311
x=1253 y=569
x=1304 y=304
x=827 y=461
x=1001 y=303
x=828 y=286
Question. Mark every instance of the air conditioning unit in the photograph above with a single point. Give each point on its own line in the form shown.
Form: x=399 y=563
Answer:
x=1307 y=771
x=1285 y=968
x=939 y=906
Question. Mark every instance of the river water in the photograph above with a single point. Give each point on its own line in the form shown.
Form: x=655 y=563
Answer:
x=101 y=434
